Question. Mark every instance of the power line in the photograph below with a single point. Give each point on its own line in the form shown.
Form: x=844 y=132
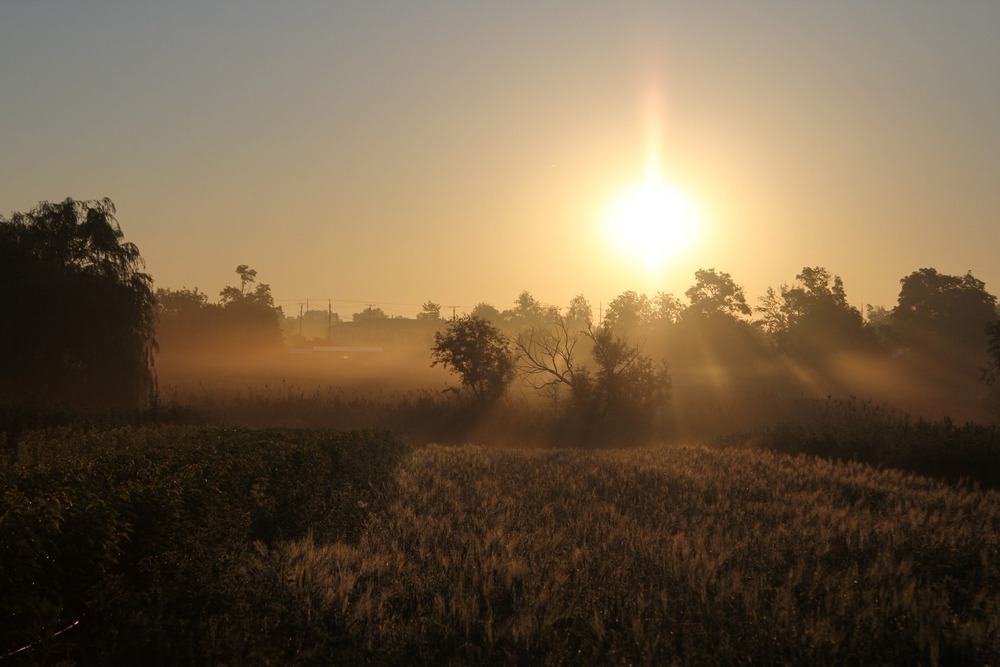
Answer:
x=364 y=302
x=369 y=305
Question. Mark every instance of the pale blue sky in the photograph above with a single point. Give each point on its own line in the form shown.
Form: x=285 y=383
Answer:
x=396 y=152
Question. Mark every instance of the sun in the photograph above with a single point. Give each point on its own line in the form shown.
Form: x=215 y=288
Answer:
x=653 y=222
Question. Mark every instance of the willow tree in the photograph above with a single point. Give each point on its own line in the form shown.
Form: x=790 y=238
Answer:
x=79 y=312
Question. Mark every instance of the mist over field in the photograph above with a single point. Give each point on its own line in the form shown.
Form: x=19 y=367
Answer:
x=185 y=471
x=726 y=376
x=511 y=334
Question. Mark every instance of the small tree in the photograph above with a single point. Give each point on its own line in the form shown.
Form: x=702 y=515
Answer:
x=549 y=360
x=479 y=353
x=430 y=311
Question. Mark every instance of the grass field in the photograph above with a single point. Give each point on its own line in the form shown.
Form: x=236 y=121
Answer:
x=670 y=555
x=266 y=548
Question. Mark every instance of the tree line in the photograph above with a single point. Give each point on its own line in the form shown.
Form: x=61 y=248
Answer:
x=614 y=371
x=244 y=317
x=82 y=322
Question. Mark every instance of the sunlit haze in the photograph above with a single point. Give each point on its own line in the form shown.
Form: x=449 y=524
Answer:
x=392 y=153
x=653 y=222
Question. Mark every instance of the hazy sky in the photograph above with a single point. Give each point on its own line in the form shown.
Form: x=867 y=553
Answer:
x=395 y=152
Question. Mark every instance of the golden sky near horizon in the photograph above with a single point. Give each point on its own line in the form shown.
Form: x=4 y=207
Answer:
x=395 y=152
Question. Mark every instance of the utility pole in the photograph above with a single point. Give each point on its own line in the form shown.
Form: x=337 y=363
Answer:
x=329 y=320
x=453 y=312
x=300 y=319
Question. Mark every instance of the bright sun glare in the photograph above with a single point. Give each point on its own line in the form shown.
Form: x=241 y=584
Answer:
x=653 y=222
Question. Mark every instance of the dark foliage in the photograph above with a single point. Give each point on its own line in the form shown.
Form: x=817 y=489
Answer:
x=78 y=312
x=991 y=374
x=715 y=293
x=244 y=319
x=617 y=393
x=862 y=431
x=943 y=314
x=813 y=318
x=479 y=353
x=138 y=534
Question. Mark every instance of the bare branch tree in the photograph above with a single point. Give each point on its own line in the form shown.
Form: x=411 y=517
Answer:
x=623 y=395
x=548 y=356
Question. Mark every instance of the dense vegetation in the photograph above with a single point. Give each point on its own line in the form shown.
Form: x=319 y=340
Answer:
x=78 y=311
x=136 y=539
x=180 y=546
x=873 y=434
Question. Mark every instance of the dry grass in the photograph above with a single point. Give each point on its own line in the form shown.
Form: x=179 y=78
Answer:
x=657 y=556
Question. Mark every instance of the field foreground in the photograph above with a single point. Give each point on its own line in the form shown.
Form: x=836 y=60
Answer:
x=657 y=556
x=211 y=546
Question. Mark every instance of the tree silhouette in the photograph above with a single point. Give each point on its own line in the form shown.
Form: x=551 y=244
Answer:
x=944 y=313
x=485 y=311
x=529 y=311
x=627 y=312
x=579 y=313
x=250 y=318
x=187 y=319
x=713 y=330
x=813 y=317
x=666 y=308
x=714 y=293
x=479 y=353
x=621 y=398
x=78 y=311
x=629 y=386
x=430 y=311
x=774 y=315
x=370 y=313
x=549 y=360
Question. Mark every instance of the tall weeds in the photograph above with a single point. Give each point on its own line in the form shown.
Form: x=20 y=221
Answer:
x=875 y=434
